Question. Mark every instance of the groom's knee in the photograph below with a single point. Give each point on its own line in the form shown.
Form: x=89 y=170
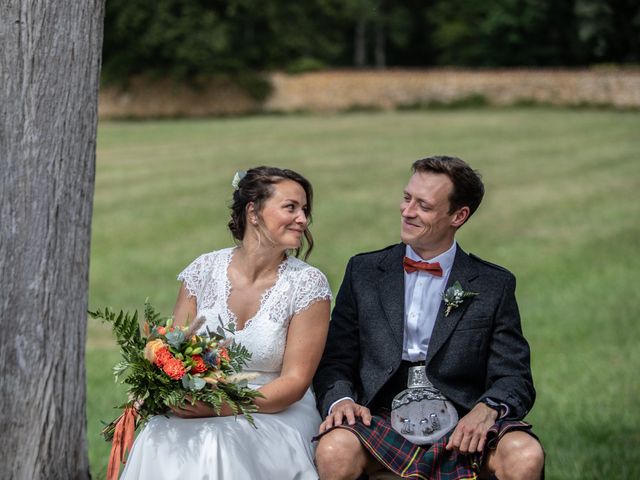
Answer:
x=517 y=456
x=340 y=456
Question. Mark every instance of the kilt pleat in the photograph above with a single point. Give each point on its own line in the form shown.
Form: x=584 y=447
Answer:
x=433 y=462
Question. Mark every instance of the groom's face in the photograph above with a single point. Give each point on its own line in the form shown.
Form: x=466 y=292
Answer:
x=427 y=225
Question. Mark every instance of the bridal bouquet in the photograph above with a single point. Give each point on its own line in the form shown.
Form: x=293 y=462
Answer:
x=166 y=366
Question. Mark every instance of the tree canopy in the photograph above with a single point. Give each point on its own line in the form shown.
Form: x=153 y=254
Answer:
x=187 y=38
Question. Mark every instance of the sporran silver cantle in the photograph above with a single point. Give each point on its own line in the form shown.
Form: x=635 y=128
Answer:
x=421 y=414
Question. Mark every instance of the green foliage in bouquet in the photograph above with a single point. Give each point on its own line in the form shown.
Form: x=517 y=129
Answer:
x=166 y=366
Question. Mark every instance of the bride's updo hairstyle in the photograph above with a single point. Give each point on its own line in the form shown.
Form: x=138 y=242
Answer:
x=257 y=187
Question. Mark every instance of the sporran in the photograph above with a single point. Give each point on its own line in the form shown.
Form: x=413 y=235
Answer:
x=421 y=414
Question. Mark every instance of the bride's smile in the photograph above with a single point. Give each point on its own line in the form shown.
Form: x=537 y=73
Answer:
x=284 y=216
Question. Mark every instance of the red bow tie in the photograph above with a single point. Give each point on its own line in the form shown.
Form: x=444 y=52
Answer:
x=411 y=266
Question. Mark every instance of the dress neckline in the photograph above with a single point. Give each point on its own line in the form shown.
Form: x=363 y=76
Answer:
x=264 y=297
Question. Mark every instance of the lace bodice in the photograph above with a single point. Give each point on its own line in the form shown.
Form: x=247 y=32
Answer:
x=297 y=287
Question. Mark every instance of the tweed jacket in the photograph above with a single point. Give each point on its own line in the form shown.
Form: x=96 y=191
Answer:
x=477 y=351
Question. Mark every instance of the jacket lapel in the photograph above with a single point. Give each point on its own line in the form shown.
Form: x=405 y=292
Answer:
x=391 y=291
x=462 y=271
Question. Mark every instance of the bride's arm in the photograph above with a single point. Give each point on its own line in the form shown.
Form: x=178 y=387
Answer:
x=305 y=343
x=306 y=337
x=185 y=309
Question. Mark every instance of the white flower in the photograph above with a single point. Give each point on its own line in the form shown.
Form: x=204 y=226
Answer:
x=454 y=296
x=235 y=183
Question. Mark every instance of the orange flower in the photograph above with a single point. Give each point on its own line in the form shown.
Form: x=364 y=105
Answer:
x=162 y=330
x=198 y=364
x=151 y=348
x=174 y=369
x=163 y=356
x=222 y=352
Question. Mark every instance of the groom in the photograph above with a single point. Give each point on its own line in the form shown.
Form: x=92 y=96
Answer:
x=389 y=315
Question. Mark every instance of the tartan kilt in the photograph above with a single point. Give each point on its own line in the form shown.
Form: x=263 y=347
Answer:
x=408 y=460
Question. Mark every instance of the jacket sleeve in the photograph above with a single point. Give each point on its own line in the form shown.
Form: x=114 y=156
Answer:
x=509 y=378
x=337 y=373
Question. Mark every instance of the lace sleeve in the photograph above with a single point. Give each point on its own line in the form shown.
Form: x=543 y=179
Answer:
x=313 y=287
x=194 y=275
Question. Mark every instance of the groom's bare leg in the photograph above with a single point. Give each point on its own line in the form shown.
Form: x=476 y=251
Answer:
x=518 y=456
x=341 y=456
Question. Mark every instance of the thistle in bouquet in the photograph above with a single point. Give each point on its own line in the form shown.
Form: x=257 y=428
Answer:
x=166 y=366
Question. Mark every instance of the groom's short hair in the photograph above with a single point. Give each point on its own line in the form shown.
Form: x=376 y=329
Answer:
x=468 y=188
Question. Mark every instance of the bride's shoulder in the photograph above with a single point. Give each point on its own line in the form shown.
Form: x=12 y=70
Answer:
x=301 y=267
x=223 y=253
x=210 y=259
x=304 y=272
x=310 y=283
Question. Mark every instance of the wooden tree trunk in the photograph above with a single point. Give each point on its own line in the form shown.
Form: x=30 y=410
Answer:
x=49 y=77
x=360 y=43
x=380 y=51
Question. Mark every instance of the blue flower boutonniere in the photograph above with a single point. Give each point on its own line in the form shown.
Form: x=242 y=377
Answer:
x=454 y=296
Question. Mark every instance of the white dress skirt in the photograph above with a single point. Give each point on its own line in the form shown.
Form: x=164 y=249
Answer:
x=229 y=448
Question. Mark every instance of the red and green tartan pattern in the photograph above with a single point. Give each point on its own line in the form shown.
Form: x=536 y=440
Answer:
x=435 y=463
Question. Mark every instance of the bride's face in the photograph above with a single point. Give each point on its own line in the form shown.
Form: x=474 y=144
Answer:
x=284 y=214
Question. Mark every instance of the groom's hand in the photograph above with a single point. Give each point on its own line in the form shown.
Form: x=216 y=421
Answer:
x=470 y=434
x=346 y=410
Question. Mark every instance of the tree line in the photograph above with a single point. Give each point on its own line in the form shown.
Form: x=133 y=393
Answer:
x=189 y=38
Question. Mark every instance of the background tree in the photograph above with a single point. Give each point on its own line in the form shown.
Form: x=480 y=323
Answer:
x=609 y=31
x=232 y=37
x=240 y=37
x=49 y=71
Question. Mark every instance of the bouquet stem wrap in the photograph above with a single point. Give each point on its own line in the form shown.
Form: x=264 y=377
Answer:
x=122 y=441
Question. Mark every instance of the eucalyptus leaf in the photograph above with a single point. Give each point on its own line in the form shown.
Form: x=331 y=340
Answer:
x=175 y=339
x=198 y=383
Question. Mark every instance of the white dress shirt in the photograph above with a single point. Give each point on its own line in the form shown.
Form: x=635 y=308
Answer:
x=422 y=299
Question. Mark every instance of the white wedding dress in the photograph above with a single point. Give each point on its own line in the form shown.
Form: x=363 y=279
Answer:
x=226 y=448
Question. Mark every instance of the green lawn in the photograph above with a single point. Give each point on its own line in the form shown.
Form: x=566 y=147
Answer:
x=561 y=211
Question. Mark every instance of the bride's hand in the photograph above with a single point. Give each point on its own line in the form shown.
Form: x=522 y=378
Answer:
x=200 y=409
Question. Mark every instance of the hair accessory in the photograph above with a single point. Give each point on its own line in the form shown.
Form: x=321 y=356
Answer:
x=235 y=183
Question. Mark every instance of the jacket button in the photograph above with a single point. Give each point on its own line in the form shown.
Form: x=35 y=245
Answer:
x=389 y=370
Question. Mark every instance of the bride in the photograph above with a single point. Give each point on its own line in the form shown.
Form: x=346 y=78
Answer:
x=280 y=307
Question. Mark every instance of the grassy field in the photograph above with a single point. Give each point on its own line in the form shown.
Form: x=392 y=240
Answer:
x=561 y=211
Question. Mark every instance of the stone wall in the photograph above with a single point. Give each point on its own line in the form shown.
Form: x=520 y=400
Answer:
x=340 y=90
x=146 y=98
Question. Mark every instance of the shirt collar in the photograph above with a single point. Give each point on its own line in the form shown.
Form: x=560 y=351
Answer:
x=445 y=259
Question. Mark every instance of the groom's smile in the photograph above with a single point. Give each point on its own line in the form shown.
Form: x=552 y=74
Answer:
x=427 y=223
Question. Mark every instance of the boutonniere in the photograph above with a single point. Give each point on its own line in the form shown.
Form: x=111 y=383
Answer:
x=454 y=296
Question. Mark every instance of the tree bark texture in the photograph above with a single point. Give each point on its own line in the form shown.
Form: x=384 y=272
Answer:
x=360 y=43
x=49 y=76
x=380 y=52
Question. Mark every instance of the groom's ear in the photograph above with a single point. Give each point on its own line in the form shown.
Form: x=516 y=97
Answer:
x=460 y=216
